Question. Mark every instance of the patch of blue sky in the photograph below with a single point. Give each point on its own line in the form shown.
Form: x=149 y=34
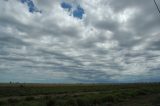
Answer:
x=76 y=12
x=31 y=7
x=66 y=6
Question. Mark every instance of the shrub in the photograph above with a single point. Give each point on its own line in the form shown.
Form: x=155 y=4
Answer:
x=29 y=98
x=109 y=99
x=156 y=101
x=47 y=97
x=142 y=92
x=21 y=86
x=13 y=100
x=108 y=104
x=82 y=102
x=71 y=102
x=2 y=103
x=51 y=102
x=97 y=101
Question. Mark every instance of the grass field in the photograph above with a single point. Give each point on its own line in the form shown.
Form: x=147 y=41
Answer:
x=143 y=94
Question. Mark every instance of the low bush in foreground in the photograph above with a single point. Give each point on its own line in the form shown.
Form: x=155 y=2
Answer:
x=2 y=103
x=13 y=100
x=29 y=98
x=51 y=102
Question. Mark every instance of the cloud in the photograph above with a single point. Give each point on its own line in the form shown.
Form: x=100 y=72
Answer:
x=114 y=41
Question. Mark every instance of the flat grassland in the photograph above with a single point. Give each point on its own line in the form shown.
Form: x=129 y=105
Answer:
x=137 y=94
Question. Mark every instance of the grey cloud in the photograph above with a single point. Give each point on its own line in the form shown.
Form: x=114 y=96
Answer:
x=155 y=45
x=54 y=47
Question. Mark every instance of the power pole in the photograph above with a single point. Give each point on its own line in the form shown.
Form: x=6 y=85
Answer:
x=156 y=6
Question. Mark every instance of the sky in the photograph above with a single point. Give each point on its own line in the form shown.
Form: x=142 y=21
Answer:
x=83 y=41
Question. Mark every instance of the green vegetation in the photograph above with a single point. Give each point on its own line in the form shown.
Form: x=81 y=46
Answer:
x=29 y=98
x=80 y=94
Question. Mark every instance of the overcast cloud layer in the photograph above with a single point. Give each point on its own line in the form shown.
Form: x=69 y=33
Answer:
x=115 y=41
